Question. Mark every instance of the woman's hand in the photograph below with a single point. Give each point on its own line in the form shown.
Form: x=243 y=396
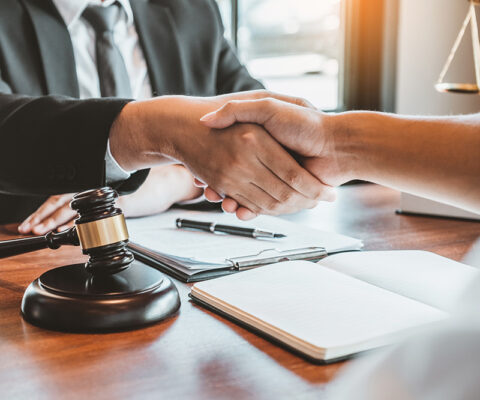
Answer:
x=296 y=126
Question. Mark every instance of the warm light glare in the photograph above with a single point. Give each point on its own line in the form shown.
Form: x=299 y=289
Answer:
x=292 y=46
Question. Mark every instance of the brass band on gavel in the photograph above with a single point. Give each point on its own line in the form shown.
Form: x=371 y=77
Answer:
x=102 y=232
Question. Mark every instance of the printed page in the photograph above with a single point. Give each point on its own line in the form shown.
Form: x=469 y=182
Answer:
x=159 y=233
x=420 y=275
x=301 y=302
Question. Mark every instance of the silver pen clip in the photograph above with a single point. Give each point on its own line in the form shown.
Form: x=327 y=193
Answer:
x=272 y=256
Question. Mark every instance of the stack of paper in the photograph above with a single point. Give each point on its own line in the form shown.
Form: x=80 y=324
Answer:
x=194 y=255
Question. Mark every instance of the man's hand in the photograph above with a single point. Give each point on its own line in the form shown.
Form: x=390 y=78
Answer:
x=55 y=213
x=303 y=130
x=164 y=186
x=244 y=163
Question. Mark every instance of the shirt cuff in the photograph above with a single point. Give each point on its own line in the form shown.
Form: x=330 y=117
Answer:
x=113 y=171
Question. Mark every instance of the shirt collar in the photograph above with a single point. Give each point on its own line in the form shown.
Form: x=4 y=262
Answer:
x=71 y=10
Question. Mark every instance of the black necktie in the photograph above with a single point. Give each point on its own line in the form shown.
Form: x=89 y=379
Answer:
x=113 y=75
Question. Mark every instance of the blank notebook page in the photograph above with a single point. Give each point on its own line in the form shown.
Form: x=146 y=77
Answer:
x=420 y=275
x=315 y=305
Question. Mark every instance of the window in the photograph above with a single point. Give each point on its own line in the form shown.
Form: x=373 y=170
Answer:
x=339 y=54
x=292 y=46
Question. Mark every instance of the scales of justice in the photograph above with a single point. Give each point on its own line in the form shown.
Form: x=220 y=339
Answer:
x=469 y=88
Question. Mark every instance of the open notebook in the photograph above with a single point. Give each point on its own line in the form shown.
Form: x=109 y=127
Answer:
x=344 y=304
x=194 y=255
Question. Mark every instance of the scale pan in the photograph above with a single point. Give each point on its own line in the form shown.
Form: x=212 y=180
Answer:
x=471 y=88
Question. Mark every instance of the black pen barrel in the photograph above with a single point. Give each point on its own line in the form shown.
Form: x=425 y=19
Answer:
x=235 y=230
x=188 y=223
x=227 y=229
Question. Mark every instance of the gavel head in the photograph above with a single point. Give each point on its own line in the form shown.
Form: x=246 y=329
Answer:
x=102 y=231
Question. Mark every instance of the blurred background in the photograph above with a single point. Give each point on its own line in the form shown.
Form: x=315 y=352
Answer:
x=355 y=54
x=293 y=46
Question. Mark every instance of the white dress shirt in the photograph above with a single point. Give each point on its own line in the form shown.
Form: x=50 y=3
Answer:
x=83 y=41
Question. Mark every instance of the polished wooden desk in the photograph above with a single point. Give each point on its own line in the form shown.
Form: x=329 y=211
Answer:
x=195 y=355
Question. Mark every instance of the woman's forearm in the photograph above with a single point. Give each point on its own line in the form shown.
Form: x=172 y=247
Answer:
x=435 y=157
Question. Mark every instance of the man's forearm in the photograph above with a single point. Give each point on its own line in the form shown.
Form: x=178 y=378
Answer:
x=131 y=142
x=153 y=132
x=437 y=157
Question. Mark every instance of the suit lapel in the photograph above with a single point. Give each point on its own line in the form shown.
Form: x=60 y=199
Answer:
x=159 y=40
x=55 y=46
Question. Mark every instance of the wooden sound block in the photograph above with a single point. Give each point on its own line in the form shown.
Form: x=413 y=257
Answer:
x=71 y=299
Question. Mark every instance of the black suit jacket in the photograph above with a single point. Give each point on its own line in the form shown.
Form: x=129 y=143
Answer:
x=51 y=142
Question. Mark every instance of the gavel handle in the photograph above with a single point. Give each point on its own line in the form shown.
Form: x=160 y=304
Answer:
x=51 y=240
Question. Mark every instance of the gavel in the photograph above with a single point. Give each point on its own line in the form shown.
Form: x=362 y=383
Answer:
x=111 y=291
x=100 y=230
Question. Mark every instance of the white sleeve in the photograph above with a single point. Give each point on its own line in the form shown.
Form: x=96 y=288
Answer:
x=439 y=364
x=113 y=171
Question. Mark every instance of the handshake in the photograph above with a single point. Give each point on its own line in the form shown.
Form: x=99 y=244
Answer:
x=264 y=153
x=300 y=168
x=258 y=152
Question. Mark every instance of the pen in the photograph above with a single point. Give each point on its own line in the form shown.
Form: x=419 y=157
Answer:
x=228 y=229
